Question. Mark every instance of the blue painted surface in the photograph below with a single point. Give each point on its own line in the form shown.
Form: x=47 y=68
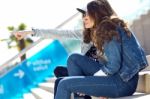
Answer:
x=32 y=71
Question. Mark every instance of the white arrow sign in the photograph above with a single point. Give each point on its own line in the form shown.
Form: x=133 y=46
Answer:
x=20 y=74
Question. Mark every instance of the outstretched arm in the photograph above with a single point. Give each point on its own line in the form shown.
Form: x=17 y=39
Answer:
x=51 y=33
x=58 y=34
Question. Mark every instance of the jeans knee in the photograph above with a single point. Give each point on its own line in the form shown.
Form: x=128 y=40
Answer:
x=73 y=58
x=63 y=84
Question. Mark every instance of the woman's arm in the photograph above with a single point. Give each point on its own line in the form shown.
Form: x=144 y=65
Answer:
x=113 y=54
x=51 y=33
x=58 y=34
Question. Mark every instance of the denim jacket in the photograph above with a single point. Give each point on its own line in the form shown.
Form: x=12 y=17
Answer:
x=133 y=56
x=126 y=58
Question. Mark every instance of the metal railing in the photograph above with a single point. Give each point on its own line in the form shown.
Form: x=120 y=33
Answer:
x=7 y=63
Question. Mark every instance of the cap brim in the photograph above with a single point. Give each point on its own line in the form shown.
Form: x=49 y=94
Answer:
x=81 y=11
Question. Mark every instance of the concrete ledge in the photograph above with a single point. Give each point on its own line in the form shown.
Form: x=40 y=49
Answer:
x=135 y=96
x=144 y=79
x=142 y=96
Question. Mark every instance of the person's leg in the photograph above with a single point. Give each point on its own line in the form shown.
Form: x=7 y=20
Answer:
x=88 y=85
x=110 y=86
x=55 y=85
x=61 y=71
x=80 y=65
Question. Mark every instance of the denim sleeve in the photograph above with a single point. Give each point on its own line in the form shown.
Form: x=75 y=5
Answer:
x=58 y=34
x=112 y=52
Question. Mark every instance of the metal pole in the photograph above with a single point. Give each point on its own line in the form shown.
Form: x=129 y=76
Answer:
x=32 y=45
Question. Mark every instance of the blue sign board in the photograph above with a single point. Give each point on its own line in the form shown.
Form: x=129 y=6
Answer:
x=32 y=71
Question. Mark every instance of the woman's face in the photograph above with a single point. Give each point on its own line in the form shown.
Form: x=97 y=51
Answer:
x=87 y=21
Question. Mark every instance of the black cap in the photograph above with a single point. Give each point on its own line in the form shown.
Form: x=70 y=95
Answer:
x=81 y=11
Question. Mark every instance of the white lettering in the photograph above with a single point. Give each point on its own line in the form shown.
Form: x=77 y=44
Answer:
x=40 y=68
x=39 y=62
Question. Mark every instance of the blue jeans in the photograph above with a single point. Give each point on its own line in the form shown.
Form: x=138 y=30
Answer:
x=76 y=96
x=108 y=86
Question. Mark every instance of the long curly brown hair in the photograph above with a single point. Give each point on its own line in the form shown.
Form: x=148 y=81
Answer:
x=105 y=26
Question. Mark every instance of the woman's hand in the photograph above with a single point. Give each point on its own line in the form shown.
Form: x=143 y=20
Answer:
x=103 y=98
x=80 y=94
x=21 y=34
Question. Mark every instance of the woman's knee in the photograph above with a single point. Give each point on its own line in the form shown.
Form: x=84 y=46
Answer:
x=72 y=61
x=63 y=83
x=73 y=58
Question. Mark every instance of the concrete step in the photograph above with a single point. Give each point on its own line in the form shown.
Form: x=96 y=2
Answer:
x=48 y=86
x=28 y=96
x=46 y=90
x=42 y=94
x=51 y=79
x=136 y=96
